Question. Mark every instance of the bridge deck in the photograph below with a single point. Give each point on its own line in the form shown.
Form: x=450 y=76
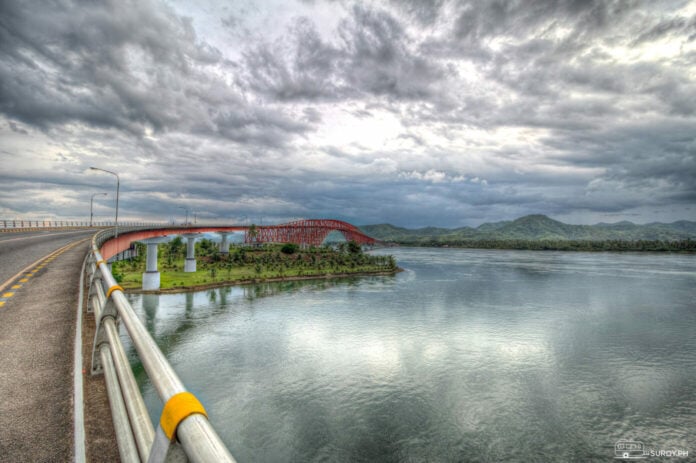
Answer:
x=37 y=333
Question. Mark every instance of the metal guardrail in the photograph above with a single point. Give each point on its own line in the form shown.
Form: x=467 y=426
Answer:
x=184 y=430
x=10 y=224
x=18 y=225
x=26 y=224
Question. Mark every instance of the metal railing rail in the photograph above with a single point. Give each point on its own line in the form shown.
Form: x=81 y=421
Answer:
x=184 y=424
x=32 y=224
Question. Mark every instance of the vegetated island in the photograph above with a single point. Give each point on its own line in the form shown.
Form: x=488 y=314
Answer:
x=539 y=232
x=249 y=264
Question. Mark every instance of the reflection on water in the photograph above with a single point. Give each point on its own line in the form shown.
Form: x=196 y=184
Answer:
x=466 y=356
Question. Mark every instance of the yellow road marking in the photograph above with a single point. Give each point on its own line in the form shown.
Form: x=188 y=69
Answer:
x=8 y=294
x=16 y=286
x=2 y=303
x=24 y=280
x=32 y=269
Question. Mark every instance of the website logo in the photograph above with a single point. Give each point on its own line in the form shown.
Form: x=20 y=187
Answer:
x=636 y=450
x=629 y=450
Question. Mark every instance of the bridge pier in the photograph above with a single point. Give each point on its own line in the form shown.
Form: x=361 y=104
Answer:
x=224 y=244
x=190 y=263
x=151 y=277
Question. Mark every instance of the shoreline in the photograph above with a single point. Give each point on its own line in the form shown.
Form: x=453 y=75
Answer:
x=253 y=281
x=545 y=249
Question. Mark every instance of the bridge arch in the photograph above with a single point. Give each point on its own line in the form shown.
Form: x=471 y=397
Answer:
x=308 y=232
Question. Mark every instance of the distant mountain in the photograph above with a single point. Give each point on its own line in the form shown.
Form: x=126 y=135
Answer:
x=536 y=228
x=487 y=227
x=388 y=232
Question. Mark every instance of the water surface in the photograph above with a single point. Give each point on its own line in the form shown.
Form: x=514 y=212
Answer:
x=467 y=355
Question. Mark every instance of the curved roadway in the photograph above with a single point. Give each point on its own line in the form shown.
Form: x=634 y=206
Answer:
x=38 y=314
x=17 y=250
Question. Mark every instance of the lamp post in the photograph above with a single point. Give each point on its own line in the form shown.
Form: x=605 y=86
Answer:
x=186 y=209
x=91 y=206
x=118 y=185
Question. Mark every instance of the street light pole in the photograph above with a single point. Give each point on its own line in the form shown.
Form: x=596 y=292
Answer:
x=118 y=186
x=91 y=206
x=186 y=209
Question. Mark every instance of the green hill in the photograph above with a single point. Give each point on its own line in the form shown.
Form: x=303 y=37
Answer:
x=535 y=228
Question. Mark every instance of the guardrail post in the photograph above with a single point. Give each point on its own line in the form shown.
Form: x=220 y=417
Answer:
x=95 y=279
x=100 y=337
x=165 y=447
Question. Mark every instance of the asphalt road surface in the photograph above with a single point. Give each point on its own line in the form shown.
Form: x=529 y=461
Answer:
x=38 y=314
x=17 y=250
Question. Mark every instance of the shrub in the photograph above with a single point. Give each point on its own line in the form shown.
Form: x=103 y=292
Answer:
x=289 y=248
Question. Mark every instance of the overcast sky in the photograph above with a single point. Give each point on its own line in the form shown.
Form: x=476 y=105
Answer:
x=409 y=112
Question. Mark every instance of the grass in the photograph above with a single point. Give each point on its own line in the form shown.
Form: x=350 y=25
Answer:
x=257 y=265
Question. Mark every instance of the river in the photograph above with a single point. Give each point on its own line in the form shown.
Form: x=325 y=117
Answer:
x=467 y=355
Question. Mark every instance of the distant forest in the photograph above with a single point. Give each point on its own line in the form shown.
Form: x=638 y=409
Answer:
x=567 y=245
x=538 y=232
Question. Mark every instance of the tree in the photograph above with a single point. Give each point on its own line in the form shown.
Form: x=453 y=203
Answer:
x=289 y=248
x=176 y=246
x=253 y=232
x=354 y=248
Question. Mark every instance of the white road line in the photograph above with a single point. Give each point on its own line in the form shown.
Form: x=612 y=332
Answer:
x=78 y=399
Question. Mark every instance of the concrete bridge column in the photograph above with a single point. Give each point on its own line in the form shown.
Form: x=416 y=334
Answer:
x=224 y=244
x=190 y=263
x=151 y=277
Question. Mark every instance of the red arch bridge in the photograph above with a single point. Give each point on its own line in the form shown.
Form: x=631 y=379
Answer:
x=309 y=232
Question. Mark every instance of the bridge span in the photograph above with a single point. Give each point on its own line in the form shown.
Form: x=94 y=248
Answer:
x=307 y=232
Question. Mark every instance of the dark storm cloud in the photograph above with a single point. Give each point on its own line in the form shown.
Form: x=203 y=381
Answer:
x=423 y=11
x=380 y=61
x=16 y=128
x=668 y=27
x=308 y=76
x=132 y=66
x=372 y=56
